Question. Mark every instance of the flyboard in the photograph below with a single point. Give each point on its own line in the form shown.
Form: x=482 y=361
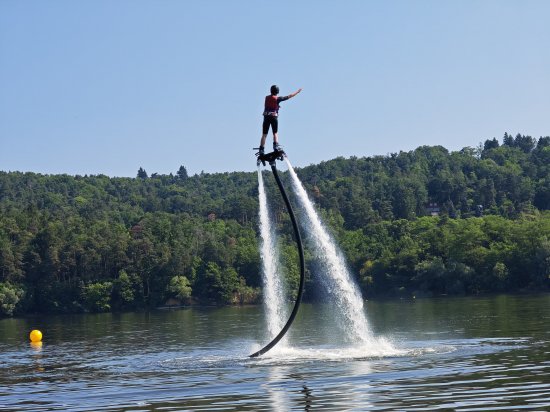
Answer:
x=271 y=158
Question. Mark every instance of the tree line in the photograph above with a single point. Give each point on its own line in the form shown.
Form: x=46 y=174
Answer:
x=425 y=222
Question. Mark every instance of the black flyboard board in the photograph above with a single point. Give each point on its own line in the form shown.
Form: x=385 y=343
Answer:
x=270 y=158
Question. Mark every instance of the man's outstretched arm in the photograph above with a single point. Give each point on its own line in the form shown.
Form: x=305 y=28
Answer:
x=290 y=96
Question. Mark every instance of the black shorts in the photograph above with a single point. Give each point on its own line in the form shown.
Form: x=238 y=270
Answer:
x=272 y=121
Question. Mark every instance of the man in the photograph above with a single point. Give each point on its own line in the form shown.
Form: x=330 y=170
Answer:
x=271 y=116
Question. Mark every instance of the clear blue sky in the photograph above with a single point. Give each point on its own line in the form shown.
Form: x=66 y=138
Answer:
x=101 y=86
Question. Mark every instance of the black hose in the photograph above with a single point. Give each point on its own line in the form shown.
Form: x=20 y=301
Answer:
x=302 y=268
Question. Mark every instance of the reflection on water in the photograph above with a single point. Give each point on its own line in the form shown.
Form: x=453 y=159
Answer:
x=278 y=398
x=468 y=354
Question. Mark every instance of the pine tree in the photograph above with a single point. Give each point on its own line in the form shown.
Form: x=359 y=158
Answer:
x=142 y=174
x=182 y=173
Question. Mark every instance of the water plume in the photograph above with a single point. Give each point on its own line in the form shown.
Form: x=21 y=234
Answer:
x=273 y=288
x=335 y=276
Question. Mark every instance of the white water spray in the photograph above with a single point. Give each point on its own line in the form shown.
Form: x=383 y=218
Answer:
x=338 y=280
x=273 y=289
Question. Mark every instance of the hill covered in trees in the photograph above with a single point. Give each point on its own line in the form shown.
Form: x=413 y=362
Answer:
x=425 y=222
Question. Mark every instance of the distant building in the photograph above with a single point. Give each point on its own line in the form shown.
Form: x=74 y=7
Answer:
x=136 y=231
x=316 y=191
x=432 y=209
x=479 y=210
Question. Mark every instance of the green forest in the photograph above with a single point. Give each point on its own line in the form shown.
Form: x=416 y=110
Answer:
x=427 y=222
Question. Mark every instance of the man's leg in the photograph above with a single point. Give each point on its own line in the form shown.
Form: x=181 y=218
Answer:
x=275 y=128
x=265 y=130
x=276 y=142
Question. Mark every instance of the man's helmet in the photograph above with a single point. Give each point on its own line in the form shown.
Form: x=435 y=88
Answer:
x=274 y=90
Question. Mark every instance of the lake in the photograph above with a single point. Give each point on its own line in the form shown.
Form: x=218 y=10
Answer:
x=465 y=354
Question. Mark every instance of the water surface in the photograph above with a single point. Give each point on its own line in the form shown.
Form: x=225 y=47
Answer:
x=466 y=354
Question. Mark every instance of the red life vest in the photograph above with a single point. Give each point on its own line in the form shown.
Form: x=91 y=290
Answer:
x=271 y=105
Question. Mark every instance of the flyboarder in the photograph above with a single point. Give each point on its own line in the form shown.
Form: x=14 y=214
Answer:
x=271 y=116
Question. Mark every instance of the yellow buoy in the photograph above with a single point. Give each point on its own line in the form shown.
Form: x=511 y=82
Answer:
x=35 y=335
